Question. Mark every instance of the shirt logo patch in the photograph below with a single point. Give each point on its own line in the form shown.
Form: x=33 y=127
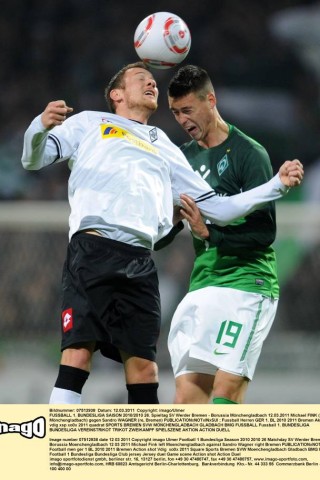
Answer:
x=153 y=134
x=108 y=130
x=203 y=172
x=67 y=320
x=223 y=164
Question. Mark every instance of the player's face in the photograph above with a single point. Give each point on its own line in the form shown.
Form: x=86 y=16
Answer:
x=196 y=116
x=140 y=89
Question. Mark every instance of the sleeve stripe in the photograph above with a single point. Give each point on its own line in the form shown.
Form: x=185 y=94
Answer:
x=205 y=196
x=57 y=143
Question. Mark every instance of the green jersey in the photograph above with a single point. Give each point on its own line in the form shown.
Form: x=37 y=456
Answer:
x=239 y=255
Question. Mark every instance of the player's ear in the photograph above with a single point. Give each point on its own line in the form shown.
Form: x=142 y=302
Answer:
x=212 y=99
x=116 y=97
x=115 y=94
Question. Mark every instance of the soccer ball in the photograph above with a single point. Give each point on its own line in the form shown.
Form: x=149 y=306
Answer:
x=162 y=40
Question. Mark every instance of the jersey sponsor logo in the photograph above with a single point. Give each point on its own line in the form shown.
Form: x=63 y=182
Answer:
x=203 y=171
x=67 y=319
x=223 y=164
x=108 y=130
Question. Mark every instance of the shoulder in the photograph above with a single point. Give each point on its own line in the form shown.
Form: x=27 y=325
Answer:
x=252 y=160
x=188 y=145
x=86 y=116
x=245 y=140
x=248 y=147
x=190 y=148
x=91 y=115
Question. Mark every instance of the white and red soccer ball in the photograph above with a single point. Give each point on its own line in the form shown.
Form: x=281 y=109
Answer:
x=162 y=40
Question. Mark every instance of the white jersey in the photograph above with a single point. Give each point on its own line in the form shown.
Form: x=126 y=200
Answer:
x=126 y=177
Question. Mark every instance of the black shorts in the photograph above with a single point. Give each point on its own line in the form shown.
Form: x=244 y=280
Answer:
x=110 y=295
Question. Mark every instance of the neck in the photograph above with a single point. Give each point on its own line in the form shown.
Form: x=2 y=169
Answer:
x=141 y=116
x=217 y=133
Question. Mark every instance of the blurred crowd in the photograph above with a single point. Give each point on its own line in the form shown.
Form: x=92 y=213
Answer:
x=69 y=49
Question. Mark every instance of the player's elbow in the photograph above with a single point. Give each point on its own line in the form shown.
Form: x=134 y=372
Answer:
x=30 y=162
x=29 y=165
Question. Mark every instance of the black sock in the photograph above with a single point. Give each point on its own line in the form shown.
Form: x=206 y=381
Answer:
x=71 y=378
x=143 y=393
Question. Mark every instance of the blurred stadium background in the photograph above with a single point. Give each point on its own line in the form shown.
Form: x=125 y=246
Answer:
x=264 y=59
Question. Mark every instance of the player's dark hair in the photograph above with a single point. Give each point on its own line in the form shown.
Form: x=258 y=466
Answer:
x=117 y=81
x=190 y=79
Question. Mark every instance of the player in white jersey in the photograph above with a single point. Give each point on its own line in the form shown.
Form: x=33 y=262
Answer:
x=125 y=178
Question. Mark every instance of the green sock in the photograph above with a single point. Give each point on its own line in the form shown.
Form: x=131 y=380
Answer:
x=222 y=400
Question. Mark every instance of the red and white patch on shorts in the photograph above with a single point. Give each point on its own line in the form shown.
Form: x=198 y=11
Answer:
x=67 y=319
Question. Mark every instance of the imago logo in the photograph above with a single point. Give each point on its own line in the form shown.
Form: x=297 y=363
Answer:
x=33 y=428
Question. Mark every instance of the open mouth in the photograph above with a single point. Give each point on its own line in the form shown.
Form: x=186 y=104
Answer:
x=191 y=129
x=149 y=93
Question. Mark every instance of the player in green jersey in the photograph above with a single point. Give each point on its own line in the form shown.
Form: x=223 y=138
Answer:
x=219 y=327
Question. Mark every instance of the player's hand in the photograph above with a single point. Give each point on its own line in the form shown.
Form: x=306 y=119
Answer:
x=55 y=113
x=192 y=214
x=291 y=173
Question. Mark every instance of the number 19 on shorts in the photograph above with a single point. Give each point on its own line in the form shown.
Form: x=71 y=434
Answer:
x=229 y=333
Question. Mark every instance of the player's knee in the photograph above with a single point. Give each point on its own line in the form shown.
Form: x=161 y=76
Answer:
x=148 y=372
x=139 y=370
x=181 y=397
x=231 y=387
x=79 y=357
